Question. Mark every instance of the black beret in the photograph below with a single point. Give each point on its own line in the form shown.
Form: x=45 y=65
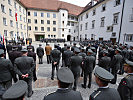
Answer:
x=16 y=90
x=65 y=75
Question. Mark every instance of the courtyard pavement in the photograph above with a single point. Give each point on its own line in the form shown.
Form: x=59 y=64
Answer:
x=44 y=85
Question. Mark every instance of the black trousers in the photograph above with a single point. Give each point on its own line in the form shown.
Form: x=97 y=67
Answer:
x=86 y=75
x=48 y=59
x=6 y=84
x=53 y=69
x=114 y=72
x=40 y=59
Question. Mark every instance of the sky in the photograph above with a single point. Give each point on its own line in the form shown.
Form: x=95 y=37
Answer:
x=81 y=3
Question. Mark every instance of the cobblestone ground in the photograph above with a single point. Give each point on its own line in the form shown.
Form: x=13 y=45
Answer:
x=44 y=85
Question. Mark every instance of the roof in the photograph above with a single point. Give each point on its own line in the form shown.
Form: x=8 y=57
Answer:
x=52 y=5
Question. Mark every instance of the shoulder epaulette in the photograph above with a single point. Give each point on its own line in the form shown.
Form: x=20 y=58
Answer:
x=97 y=94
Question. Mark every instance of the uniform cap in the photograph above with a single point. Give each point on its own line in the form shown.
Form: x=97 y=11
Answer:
x=65 y=75
x=118 y=49
x=103 y=74
x=29 y=47
x=1 y=51
x=105 y=52
x=90 y=51
x=14 y=46
x=76 y=50
x=128 y=63
x=16 y=90
x=24 y=50
x=40 y=44
x=93 y=48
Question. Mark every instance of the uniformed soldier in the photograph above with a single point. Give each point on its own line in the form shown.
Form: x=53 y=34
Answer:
x=102 y=78
x=65 y=79
x=31 y=46
x=105 y=61
x=67 y=55
x=32 y=54
x=131 y=54
x=89 y=64
x=73 y=47
x=19 y=46
x=125 y=87
x=48 y=50
x=24 y=67
x=75 y=66
x=40 y=53
x=55 y=58
x=115 y=64
x=16 y=92
x=62 y=51
x=83 y=55
x=6 y=71
x=9 y=47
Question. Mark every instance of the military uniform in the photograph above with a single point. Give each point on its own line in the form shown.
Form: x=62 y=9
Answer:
x=25 y=65
x=104 y=93
x=40 y=53
x=30 y=46
x=67 y=55
x=9 y=47
x=75 y=66
x=62 y=51
x=55 y=57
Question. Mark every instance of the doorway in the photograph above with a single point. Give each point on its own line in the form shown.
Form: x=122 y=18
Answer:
x=39 y=37
x=68 y=37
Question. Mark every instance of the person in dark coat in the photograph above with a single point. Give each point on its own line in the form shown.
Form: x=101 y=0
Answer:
x=9 y=47
x=19 y=46
x=31 y=46
x=115 y=64
x=6 y=71
x=67 y=55
x=16 y=92
x=24 y=67
x=102 y=78
x=40 y=53
x=75 y=66
x=55 y=58
x=125 y=87
x=65 y=79
x=62 y=51
x=32 y=54
x=73 y=47
x=105 y=61
x=131 y=54
x=89 y=64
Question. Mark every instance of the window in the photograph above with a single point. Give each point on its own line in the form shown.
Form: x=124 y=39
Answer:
x=10 y=12
x=9 y=2
x=22 y=35
x=24 y=19
x=117 y=2
x=93 y=24
x=54 y=29
x=21 y=26
x=3 y=8
x=115 y=20
x=29 y=27
x=36 y=28
x=129 y=38
x=109 y=28
x=48 y=15
x=85 y=36
x=20 y=8
x=72 y=23
x=72 y=18
x=103 y=7
x=68 y=23
x=69 y=30
x=86 y=26
x=86 y=15
x=63 y=14
x=28 y=13
x=35 y=21
x=42 y=28
x=48 y=21
x=42 y=21
x=54 y=15
x=62 y=35
x=113 y=34
x=24 y=11
x=17 y=25
x=81 y=18
x=24 y=27
x=5 y=32
x=48 y=28
x=54 y=22
x=102 y=21
x=49 y=36
x=74 y=31
x=29 y=20
x=20 y=17
x=42 y=14
x=15 y=5
x=63 y=22
x=63 y=30
x=54 y=35
x=131 y=16
x=81 y=27
x=4 y=21
x=11 y=23
x=94 y=12
x=11 y=33
x=35 y=13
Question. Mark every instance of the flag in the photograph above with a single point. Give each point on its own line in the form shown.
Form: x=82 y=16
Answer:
x=3 y=39
x=16 y=14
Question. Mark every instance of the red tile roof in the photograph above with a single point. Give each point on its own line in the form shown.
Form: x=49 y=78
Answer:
x=52 y=5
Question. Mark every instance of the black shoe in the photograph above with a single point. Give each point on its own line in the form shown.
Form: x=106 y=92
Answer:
x=89 y=86
x=81 y=75
x=34 y=79
x=83 y=86
x=52 y=78
x=31 y=94
x=74 y=88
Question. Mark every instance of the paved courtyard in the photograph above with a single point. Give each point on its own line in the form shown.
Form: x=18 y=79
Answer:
x=44 y=85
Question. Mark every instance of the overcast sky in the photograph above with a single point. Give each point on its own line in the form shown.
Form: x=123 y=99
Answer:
x=81 y=3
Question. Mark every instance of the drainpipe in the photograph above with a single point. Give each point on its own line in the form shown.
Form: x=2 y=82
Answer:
x=121 y=20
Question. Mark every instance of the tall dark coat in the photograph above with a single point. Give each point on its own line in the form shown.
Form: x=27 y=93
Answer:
x=67 y=55
x=40 y=51
x=9 y=47
x=30 y=46
x=64 y=94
